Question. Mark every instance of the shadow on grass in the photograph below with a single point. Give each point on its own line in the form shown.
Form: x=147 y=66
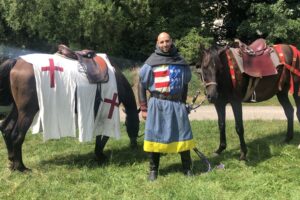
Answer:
x=199 y=167
x=258 y=149
x=121 y=157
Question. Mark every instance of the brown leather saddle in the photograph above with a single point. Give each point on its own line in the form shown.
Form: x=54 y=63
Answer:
x=257 y=60
x=94 y=66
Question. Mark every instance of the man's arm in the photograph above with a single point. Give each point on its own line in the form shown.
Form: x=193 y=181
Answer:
x=184 y=93
x=142 y=99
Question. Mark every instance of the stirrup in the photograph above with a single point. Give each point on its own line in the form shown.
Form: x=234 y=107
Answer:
x=253 y=97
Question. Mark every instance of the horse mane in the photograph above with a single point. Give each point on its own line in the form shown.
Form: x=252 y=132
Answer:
x=215 y=49
x=212 y=52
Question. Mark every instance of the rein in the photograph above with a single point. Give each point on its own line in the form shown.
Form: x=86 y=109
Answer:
x=192 y=106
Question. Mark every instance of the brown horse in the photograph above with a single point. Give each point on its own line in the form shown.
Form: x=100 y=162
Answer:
x=18 y=87
x=225 y=84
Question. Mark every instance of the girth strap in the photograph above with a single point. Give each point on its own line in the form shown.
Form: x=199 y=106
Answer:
x=292 y=68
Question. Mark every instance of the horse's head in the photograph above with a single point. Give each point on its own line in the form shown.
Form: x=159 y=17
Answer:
x=208 y=68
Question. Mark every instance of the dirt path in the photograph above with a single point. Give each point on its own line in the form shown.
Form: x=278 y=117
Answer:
x=249 y=113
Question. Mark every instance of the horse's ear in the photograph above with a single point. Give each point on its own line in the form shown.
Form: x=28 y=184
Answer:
x=202 y=53
x=222 y=50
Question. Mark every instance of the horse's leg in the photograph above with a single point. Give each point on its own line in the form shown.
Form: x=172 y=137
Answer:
x=23 y=89
x=289 y=113
x=239 y=127
x=6 y=128
x=220 y=108
x=297 y=100
x=18 y=135
x=101 y=141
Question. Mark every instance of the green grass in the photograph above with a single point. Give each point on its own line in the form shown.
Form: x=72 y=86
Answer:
x=65 y=169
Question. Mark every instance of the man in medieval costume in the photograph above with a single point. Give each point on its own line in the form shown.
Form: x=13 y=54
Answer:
x=165 y=74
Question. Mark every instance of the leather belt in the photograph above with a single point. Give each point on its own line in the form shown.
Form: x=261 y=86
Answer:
x=175 y=97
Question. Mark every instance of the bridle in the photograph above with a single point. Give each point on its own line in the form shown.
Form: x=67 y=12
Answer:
x=206 y=84
x=210 y=83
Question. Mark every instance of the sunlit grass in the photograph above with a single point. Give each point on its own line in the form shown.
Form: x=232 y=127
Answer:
x=66 y=169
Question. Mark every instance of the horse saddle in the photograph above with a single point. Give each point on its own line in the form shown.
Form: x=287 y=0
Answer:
x=94 y=66
x=256 y=58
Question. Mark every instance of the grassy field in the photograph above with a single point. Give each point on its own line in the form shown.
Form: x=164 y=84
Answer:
x=66 y=169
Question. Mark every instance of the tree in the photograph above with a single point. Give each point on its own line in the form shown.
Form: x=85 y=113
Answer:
x=278 y=22
x=191 y=44
x=128 y=28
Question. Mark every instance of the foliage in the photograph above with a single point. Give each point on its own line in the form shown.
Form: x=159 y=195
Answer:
x=66 y=169
x=277 y=23
x=188 y=48
x=128 y=28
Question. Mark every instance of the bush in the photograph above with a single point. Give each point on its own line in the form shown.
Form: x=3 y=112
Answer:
x=191 y=45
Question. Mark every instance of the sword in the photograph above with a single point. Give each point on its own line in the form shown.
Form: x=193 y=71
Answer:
x=191 y=107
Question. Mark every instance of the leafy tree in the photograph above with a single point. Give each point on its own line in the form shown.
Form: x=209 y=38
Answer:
x=128 y=28
x=276 y=22
x=191 y=44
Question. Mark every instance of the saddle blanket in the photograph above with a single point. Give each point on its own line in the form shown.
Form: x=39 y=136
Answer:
x=57 y=81
x=239 y=61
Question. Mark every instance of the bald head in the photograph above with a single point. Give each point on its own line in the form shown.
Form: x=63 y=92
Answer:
x=164 y=42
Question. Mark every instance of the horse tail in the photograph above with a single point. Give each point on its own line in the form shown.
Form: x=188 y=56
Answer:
x=5 y=91
x=127 y=98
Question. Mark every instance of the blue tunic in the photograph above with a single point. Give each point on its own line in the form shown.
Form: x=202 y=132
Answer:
x=167 y=128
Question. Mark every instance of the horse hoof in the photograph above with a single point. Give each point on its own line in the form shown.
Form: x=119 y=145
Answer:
x=101 y=158
x=219 y=151
x=22 y=169
x=243 y=157
x=133 y=144
x=287 y=140
x=25 y=170
x=10 y=166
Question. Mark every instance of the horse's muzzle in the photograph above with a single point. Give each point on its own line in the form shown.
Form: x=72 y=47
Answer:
x=212 y=93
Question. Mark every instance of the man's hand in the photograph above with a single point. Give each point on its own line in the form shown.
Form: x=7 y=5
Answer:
x=144 y=115
x=143 y=106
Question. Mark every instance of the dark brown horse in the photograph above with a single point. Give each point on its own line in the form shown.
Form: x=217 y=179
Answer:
x=18 y=87
x=229 y=85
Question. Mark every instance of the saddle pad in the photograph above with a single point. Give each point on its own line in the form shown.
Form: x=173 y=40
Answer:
x=108 y=117
x=55 y=88
x=57 y=78
x=261 y=67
